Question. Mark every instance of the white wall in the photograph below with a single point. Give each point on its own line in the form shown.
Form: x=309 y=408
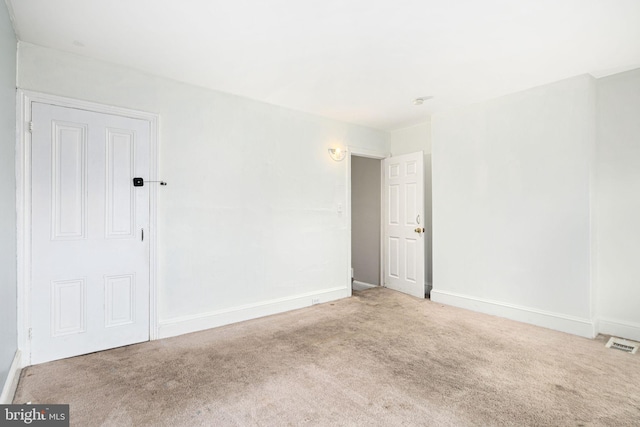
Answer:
x=8 y=319
x=249 y=218
x=511 y=205
x=410 y=140
x=365 y=219
x=618 y=208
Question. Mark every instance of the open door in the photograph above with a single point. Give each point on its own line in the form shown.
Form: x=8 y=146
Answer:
x=404 y=241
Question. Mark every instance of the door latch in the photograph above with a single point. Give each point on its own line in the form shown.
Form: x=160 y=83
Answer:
x=139 y=182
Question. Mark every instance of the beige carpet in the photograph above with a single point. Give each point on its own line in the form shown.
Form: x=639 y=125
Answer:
x=379 y=358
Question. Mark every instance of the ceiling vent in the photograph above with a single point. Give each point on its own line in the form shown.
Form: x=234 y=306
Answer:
x=624 y=345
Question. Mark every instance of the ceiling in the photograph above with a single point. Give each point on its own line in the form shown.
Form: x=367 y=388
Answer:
x=360 y=61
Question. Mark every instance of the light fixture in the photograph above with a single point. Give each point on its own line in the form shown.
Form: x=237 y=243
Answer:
x=337 y=154
x=420 y=101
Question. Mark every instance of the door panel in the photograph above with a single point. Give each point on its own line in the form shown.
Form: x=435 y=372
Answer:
x=120 y=204
x=90 y=267
x=404 y=236
x=393 y=255
x=68 y=307
x=69 y=181
x=119 y=300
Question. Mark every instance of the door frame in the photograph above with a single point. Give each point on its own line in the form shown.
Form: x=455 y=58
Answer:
x=24 y=101
x=372 y=154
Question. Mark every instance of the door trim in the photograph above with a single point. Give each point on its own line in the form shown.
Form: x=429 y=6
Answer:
x=23 y=204
x=372 y=154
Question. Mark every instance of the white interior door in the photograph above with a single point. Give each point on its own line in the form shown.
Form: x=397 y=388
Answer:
x=404 y=242
x=89 y=260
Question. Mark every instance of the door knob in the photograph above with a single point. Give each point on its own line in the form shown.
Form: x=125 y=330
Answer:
x=419 y=230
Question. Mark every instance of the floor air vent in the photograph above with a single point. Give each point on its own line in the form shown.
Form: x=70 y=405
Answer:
x=624 y=345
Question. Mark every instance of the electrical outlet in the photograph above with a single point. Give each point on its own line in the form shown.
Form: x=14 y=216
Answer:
x=315 y=301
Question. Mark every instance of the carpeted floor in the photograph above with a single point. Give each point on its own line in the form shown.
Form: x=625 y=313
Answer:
x=379 y=358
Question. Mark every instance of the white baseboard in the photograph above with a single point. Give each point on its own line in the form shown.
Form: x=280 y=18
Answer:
x=11 y=384
x=186 y=324
x=619 y=328
x=556 y=321
x=358 y=285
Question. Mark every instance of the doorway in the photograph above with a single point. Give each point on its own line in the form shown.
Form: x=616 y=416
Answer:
x=86 y=236
x=398 y=242
x=366 y=221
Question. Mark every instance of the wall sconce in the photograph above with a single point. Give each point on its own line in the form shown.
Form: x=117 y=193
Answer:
x=337 y=154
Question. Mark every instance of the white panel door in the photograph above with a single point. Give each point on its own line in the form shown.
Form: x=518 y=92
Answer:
x=404 y=242
x=90 y=262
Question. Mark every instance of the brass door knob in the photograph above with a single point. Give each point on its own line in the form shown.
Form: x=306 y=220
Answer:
x=419 y=230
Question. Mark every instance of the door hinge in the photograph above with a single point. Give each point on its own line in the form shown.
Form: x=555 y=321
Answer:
x=30 y=334
x=30 y=126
